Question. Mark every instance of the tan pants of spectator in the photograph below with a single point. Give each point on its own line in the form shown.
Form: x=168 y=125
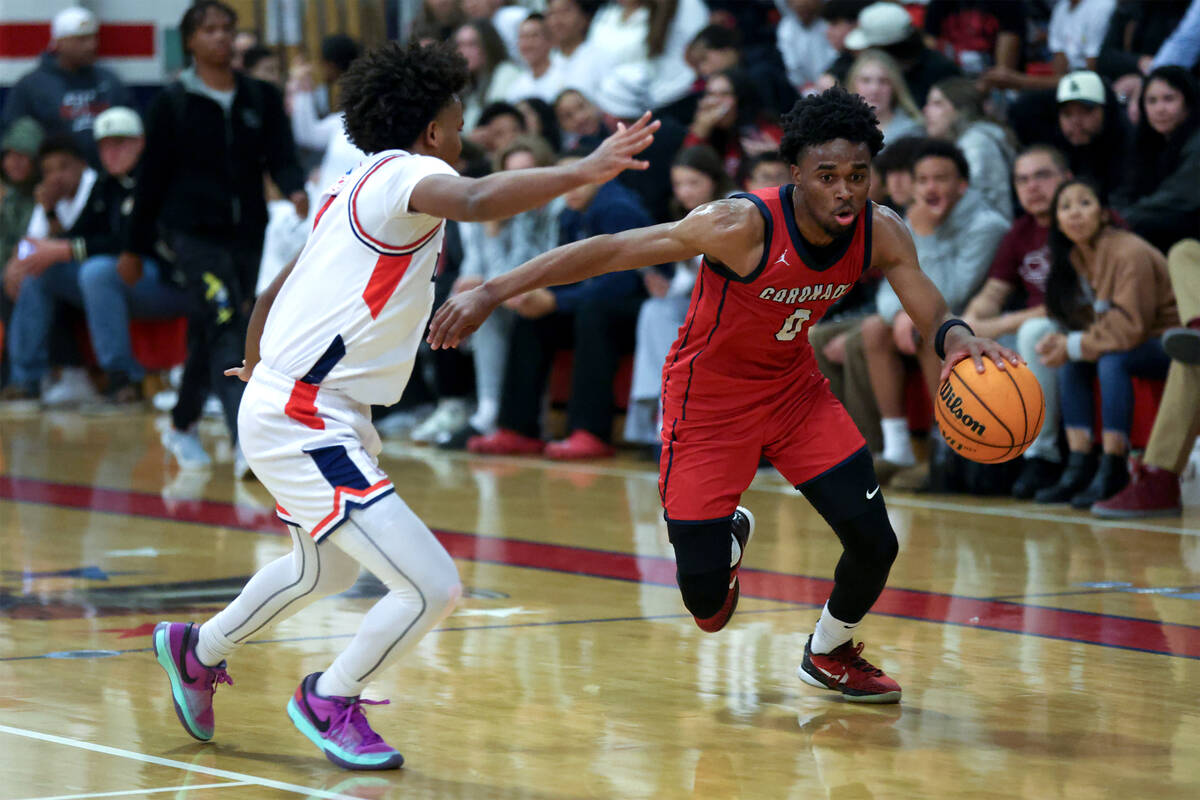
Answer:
x=1178 y=420
x=850 y=381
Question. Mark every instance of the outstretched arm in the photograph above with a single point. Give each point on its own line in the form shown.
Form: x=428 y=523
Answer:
x=506 y=194
x=726 y=230
x=895 y=253
x=258 y=321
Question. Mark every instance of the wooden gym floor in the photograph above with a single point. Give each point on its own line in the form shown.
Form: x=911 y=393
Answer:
x=1043 y=654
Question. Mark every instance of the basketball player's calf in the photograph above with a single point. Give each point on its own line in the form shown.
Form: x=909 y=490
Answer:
x=707 y=557
x=849 y=498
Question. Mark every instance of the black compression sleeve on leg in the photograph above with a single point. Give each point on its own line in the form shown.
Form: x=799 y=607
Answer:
x=702 y=554
x=849 y=498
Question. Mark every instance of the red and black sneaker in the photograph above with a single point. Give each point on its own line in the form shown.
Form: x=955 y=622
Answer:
x=742 y=528
x=845 y=670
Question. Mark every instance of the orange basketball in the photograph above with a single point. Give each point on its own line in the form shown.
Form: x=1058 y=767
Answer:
x=990 y=416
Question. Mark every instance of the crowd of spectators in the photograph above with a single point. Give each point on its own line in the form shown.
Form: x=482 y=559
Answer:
x=1044 y=153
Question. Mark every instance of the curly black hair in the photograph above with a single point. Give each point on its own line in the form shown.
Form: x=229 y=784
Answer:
x=832 y=114
x=391 y=93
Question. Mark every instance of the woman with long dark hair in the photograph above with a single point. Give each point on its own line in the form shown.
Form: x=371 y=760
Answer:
x=731 y=119
x=1110 y=293
x=491 y=72
x=1160 y=198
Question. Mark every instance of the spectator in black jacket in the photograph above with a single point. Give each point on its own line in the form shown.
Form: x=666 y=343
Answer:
x=1090 y=127
x=1159 y=199
x=83 y=267
x=210 y=136
x=68 y=221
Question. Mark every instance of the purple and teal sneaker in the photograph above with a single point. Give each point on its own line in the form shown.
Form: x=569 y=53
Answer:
x=338 y=725
x=192 y=683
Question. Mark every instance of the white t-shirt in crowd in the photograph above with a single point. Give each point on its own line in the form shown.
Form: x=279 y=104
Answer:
x=507 y=22
x=805 y=50
x=546 y=87
x=1077 y=32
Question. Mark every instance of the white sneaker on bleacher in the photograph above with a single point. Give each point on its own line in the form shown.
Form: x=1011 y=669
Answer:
x=73 y=387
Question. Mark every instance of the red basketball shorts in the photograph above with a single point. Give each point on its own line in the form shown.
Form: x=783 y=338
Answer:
x=709 y=460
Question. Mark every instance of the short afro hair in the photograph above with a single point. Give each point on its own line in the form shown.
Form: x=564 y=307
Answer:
x=940 y=148
x=832 y=114
x=391 y=93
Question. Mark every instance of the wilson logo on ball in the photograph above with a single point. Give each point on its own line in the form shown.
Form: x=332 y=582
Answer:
x=953 y=404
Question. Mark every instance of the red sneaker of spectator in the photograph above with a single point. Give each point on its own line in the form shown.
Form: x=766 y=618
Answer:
x=506 y=443
x=580 y=444
x=1152 y=492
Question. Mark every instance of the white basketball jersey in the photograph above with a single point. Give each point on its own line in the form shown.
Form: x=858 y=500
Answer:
x=352 y=313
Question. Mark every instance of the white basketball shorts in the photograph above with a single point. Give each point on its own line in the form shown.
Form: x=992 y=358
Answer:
x=314 y=449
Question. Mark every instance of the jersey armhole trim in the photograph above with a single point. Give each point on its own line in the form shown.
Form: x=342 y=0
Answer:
x=868 y=214
x=768 y=236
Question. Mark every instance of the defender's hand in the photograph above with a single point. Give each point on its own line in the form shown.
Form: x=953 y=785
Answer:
x=244 y=372
x=460 y=316
x=960 y=344
x=616 y=153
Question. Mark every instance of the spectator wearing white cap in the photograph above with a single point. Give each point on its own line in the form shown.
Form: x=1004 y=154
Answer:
x=78 y=266
x=66 y=90
x=888 y=27
x=1075 y=36
x=1092 y=130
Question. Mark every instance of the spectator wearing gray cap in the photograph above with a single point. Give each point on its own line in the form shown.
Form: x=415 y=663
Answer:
x=66 y=90
x=888 y=27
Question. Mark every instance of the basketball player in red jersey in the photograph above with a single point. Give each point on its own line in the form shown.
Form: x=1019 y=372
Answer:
x=741 y=382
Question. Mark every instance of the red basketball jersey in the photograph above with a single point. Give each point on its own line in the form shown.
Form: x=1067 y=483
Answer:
x=745 y=339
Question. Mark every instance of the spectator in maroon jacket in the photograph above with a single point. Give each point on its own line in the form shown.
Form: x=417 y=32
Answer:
x=1011 y=302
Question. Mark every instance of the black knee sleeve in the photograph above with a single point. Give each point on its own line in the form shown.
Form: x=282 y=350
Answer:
x=849 y=498
x=702 y=551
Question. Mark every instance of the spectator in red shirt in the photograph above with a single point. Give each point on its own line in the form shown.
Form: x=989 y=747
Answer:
x=978 y=34
x=1012 y=301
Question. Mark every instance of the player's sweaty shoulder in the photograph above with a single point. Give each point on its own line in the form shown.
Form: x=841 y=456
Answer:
x=891 y=241
x=725 y=229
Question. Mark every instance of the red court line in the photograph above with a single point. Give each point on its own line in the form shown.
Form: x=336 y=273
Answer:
x=1076 y=626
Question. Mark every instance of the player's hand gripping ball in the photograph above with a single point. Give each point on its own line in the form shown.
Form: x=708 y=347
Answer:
x=990 y=416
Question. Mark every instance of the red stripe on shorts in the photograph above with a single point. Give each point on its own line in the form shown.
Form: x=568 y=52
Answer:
x=302 y=406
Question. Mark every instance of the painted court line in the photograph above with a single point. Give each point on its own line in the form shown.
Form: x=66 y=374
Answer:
x=266 y=783
x=1131 y=633
x=127 y=792
x=774 y=484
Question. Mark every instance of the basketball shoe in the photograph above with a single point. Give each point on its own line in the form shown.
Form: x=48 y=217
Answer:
x=845 y=670
x=742 y=525
x=339 y=727
x=192 y=683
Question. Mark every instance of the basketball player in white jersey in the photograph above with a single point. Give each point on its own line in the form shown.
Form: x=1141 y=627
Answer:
x=339 y=332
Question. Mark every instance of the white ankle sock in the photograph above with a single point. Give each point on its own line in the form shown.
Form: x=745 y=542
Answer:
x=212 y=646
x=897 y=446
x=333 y=684
x=831 y=632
